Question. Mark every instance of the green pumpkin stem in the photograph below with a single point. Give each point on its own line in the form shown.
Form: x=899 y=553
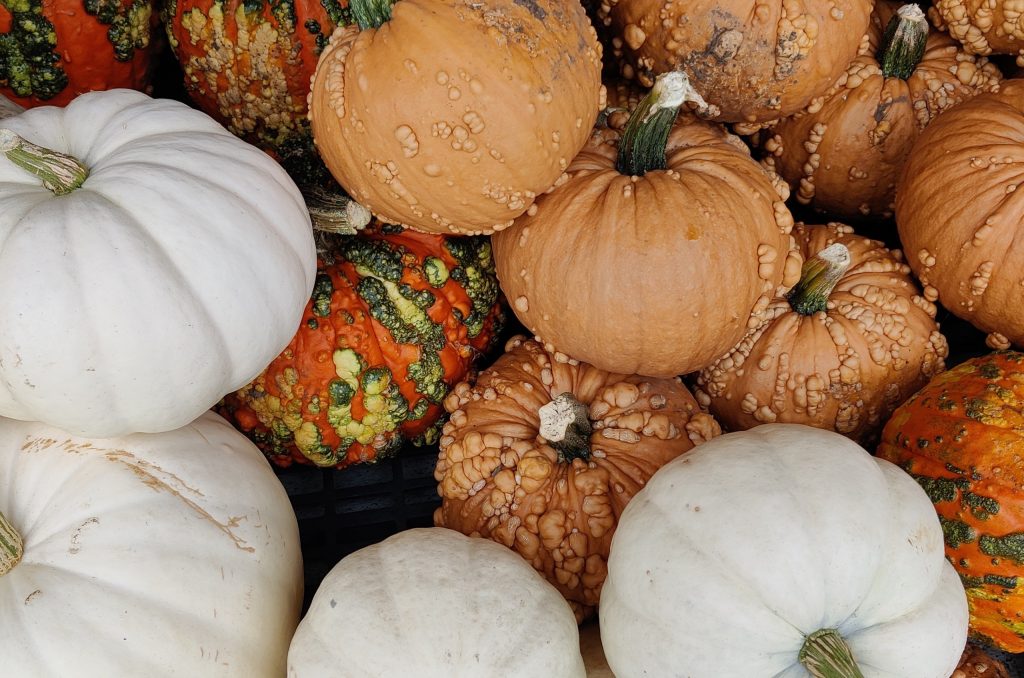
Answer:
x=826 y=655
x=565 y=424
x=11 y=546
x=903 y=43
x=371 y=13
x=818 y=278
x=332 y=211
x=60 y=172
x=643 y=143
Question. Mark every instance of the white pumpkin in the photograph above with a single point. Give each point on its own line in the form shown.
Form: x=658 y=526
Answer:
x=8 y=107
x=169 y=554
x=173 y=275
x=434 y=603
x=740 y=550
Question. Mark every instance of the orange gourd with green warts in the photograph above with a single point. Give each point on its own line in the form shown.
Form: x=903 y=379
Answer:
x=962 y=438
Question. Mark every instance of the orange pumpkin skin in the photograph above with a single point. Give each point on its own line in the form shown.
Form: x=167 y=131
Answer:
x=975 y=663
x=960 y=216
x=499 y=479
x=65 y=48
x=612 y=269
x=394 y=321
x=453 y=116
x=843 y=153
x=756 y=61
x=844 y=369
x=962 y=438
x=983 y=26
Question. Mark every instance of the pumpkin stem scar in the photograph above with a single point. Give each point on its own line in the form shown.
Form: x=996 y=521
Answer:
x=565 y=425
x=61 y=173
x=371 y=13
x=818 y=278
x=334 y=212
x=11 y=546
x=826 y=655
x=903 y=44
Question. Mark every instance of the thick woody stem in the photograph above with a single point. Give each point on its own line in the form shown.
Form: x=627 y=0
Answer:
x=826 y=655
x=565 y=425
x=60 y=172
x=334 y=211
x=818 y=278
x=903 y=43
x=11 y=546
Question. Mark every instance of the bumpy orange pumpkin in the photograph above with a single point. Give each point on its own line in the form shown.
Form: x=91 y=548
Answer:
x=451 y=115
x=975 y=663
x=983 y=26
x=755 y=60
x=850 y=343
x=960 y=215
x=962 y=438
x=844 y=152
x=542 y=454
x=396 y=318
x=612 y=267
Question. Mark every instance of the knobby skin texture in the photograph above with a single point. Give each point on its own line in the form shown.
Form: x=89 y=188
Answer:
x=983 y=26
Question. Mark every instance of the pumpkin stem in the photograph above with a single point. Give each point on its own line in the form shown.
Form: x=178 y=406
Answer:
x=335 y=212
x=826 y=655
x=371 y=13
x=903 y=42
x=11 y=546
x=565 y=424
x=643 y=142
x=818 y=278
x=60 y=172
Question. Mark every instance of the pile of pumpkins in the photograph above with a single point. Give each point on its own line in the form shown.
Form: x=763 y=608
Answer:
x=727 y=435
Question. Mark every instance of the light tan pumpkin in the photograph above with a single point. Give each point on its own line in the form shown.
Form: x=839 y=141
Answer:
x=454 y=115
x=840 y=359
x=542 y=454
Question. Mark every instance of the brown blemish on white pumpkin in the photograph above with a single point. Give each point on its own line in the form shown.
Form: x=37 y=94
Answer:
x=76 y=536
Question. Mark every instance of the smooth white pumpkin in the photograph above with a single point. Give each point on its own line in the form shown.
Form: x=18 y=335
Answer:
x=172 y=276
x=736 y=551
x=169 y=554
x=8 y=107
x=434 y=603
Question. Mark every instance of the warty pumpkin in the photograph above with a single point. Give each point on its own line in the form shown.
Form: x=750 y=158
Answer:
x=611 y=266
x=959 y=214
x=844 y=152
x=453 y=115
x=848 y=344
x=163 y=554
x=781 y=551
x=962 y=438
x=396 y=318
x=542 y=453
x=982 y=26
x=975 y=663
x=51 y=51
x=756 y=61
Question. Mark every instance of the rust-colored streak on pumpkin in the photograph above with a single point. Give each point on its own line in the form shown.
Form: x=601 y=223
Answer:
x=962 y=438
x=844 y=369
x=85 y=50
x=960 y=214
x=455 y=114
x=614 y=270
x=983 y=26
x=757 y=60
x=500 y=480
x=843 y=153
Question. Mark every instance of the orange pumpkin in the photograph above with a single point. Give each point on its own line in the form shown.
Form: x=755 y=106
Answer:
x=851 y=342
x=542 y=454
x=962 y=438
x=983 y=26
x=975 y=663
x=960 y=216
x=452 y=116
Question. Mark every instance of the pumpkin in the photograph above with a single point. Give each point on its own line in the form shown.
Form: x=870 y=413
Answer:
x=612 y=266
x=150 y=263
x=456 y=607
x=957 y=214
x=975 y=663
x=395 y=320
x=850 y=343
x=983 y=26
x=8 y=108
x=54 y=50
x=784 y=550
x=542 y=454
x=843 y=153
x=962 y=438
x=756 y=61
x=450 y=116
x=144 y=555
x=248 y=64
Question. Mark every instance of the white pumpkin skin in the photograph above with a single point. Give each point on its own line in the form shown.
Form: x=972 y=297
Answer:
x=173 y=276
x=736 y=550
x=8 y=107
x=434 y=603
x=172 y=554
